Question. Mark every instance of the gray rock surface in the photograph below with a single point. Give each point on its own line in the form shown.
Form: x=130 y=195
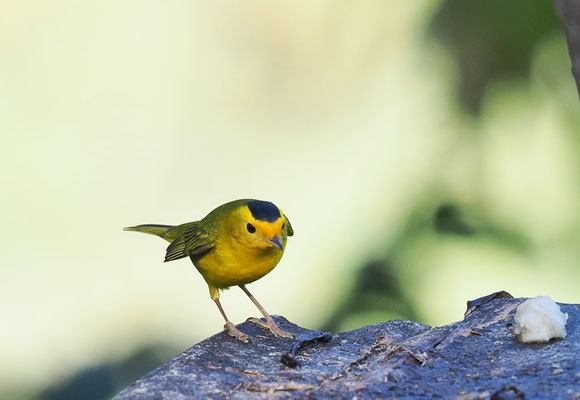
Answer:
x=477 y=358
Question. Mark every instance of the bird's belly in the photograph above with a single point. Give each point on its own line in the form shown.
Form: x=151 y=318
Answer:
x=223 y=269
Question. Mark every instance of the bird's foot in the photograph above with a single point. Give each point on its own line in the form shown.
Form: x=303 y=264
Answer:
x=234 y=332
x=271 y=326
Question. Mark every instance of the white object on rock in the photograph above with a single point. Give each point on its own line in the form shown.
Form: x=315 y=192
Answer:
x=539 y=320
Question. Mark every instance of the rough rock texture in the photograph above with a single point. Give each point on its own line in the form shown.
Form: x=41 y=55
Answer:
x=477 y=358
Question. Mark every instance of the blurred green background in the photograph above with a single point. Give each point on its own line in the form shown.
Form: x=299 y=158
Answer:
x=426 y=152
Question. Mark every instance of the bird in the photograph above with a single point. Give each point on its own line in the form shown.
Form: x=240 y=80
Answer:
x=235 y=244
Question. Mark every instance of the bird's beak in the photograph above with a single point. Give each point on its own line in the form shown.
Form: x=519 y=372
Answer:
x=277 y=242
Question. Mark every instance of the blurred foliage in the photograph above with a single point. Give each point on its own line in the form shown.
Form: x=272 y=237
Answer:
x=492 y=40
x=452 y=219
x=376 y=296
x=106 y=380
x=382 y=289
x=448 y=219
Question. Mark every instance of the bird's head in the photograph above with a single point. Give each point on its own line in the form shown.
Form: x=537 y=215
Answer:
x=262 y=225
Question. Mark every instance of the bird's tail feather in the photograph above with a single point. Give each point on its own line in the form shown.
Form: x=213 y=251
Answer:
x=152 y=229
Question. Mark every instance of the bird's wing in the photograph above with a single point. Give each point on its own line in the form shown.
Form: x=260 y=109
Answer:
x=195 y=239
x=290 y=230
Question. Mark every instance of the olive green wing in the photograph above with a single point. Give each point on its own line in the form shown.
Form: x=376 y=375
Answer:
x=193 y=238
x=289 y=226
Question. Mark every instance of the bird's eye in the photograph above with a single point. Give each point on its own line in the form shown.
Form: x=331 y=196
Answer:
x=251 y=228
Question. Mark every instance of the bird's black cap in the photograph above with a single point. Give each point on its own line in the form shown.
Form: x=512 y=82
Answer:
x=263 y=210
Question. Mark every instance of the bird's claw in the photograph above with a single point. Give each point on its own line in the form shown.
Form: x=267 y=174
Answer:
x=271 y=326
x=234 y=332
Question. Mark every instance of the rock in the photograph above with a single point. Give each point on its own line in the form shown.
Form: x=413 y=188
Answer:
x=477 y=358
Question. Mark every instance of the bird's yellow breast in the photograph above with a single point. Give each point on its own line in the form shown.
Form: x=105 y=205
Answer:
x=230 y=263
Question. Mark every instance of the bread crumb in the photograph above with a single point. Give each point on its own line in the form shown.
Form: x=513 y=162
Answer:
x=539 y=320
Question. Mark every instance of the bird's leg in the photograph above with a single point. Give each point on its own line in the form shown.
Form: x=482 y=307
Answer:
x=229 y=326
x=269 y=324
